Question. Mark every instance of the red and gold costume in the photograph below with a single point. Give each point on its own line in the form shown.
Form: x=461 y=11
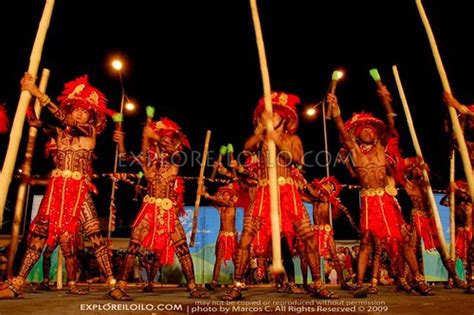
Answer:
x=294 y=219
x=67 y=203
x=157 y=226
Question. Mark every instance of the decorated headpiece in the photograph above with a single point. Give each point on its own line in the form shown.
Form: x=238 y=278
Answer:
x=359 y=121
x=233 y=189
x=79 y=93
x=462 y=186
x=4 y=122
x=285 y=105
x=167 y=127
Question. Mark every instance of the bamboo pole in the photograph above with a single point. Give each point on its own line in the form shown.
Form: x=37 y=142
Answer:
x=416 y=145
x=452 y=112
x=452 y=206
x=19 y=120
x=336 y=75
x=199 y=188
x=26 y=171
x=272 y=171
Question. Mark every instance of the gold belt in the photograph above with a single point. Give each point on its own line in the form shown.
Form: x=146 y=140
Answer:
x=163 y=203
x=280 y=180
x=389 y=190
x=67 y=174
x=227 y=233
x=323 y=227
x=467 y=228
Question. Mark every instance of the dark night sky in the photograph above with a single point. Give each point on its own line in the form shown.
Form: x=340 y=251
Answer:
x=194 y=60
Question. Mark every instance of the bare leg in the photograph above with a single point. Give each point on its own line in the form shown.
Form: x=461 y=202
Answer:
x=377 y=244
x=362 y=262
x=410 y=258
x=306 y=234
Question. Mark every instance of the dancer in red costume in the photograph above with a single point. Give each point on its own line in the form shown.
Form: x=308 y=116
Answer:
x=423 y=220
x=157 y=227
x=324 y=194
x=293 y=215
x=67 y=203
x=225 y=201
x=366 y=138
x=464 y=241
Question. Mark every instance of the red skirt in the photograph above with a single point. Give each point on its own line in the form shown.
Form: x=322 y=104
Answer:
x=381 y=215
x=291 y=211
x=324 y=236
x=426 y=229
x=226 y=244
x=61 y=206
x=161 y=224
x=463 y=239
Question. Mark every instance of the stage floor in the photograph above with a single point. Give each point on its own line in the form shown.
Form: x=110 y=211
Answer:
x=258 y=300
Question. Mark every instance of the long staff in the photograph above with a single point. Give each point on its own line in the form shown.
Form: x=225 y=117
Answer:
x=272 y=171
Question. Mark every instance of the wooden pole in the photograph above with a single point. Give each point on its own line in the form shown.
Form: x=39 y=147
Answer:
x=452 y=112
x=26 y=170
x=19 y=120
x=59 y=270
x=416 y=145
x=272 y=171
x=452 y=206
x=336 y=75
x=199 y=188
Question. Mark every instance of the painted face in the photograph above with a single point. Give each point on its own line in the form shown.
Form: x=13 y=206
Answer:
x=367 y=135
x=80 y=115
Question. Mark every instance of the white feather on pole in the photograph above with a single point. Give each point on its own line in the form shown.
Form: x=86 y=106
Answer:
x=25 y=97
x=272 y=171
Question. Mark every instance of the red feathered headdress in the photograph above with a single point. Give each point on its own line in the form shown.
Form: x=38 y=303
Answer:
x=363 y=120
x=331 y=188
x=285 y=105
x=4 y=122
x=79 y=93
x=233 y=189
x=167 y=127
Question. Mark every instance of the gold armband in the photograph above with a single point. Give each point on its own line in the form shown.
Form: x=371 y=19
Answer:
x=336 y=112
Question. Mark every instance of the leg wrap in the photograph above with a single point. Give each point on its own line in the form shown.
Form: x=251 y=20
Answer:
x=129 y=260
x=67 y=252
x=242 y=255
x=91 y=228
x=47 y=262
x=182 y=251
x=30 y=258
